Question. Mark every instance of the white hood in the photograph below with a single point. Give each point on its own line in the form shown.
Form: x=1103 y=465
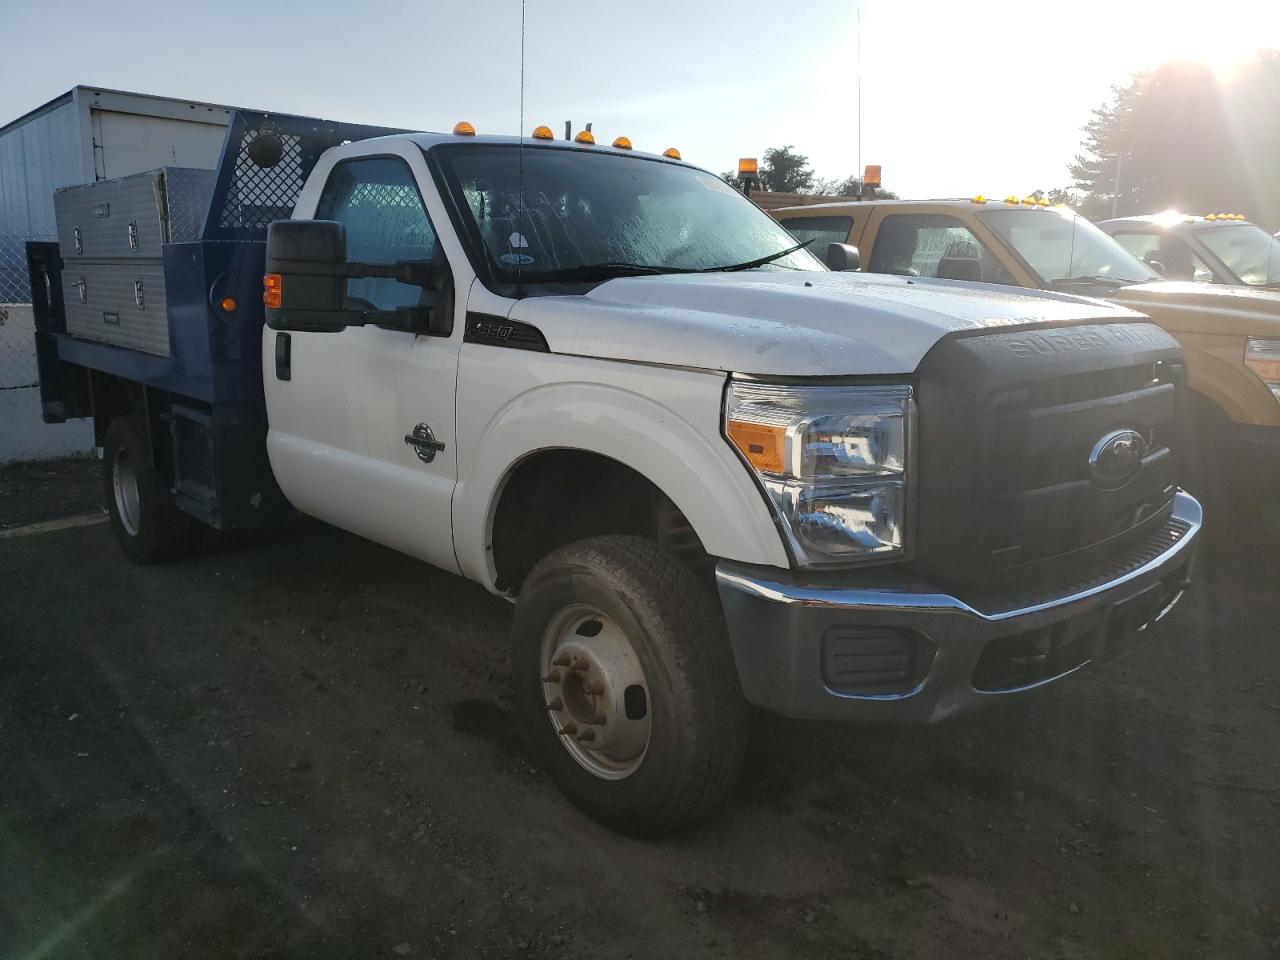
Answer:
x=788 y=323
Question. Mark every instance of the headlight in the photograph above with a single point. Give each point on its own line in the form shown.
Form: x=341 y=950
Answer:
x=834 y=462
x=1263 y=358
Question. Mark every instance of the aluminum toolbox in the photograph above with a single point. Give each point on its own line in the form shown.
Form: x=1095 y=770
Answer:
x=133 y=216
x=120 y=302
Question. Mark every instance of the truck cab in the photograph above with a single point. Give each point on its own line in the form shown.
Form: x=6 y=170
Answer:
x=1217 y=248
x=1230 y=334
x=707 y=471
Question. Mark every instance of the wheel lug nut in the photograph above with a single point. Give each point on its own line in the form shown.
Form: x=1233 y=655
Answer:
x=586 y=736
x=568 y=730
x=599 y=719
x=556 y=705
x=563 y=660
x=552 y=677
x=596 y=689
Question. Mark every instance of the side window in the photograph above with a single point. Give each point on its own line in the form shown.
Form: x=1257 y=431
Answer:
x=933 y=245
x=1172 y=253
x=821 y=230
x=377 y=201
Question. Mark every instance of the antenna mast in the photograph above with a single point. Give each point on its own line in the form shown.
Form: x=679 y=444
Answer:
x=520 y=217
x=861 y=173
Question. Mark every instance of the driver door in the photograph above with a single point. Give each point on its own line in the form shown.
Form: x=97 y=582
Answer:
x=342 y=407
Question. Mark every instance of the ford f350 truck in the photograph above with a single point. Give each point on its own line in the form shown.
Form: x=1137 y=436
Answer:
x=1230 y=335
x=708 y=472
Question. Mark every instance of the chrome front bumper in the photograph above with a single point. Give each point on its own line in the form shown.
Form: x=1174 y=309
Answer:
x=897 y=649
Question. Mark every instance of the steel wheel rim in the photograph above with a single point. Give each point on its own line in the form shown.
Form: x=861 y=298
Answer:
x=124 y=483
x=595 y=692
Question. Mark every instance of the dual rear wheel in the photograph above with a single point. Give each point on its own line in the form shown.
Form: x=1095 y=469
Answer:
x=146 y=522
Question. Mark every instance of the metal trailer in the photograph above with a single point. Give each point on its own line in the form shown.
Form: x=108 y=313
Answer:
x=194 y=377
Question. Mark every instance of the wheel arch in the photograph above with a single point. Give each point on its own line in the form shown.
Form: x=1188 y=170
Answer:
x=614 y=429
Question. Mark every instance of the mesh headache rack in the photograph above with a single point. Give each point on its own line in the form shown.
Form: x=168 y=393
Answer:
x=266 y=159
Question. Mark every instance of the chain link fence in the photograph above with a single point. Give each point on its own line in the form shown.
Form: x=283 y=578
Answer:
x=23 y=434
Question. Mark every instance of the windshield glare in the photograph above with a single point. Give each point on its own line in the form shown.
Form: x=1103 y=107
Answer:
x=1059 y=246
x=1247 y=250
x=584 y=208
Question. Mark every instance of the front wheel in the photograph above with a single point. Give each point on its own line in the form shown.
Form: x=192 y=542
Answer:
x=626 y=684
x=147 y=524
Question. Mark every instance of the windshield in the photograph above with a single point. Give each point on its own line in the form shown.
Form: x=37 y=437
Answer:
x=606 y=214
x=1246 y=250
x=1063 y=249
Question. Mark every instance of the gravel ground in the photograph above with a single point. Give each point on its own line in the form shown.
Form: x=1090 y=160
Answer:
x=305 y=748
x=48 y=490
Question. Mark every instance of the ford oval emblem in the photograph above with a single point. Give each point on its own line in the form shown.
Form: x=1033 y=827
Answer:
x=1115 y=459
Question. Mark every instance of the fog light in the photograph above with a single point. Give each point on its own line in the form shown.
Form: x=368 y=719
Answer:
x=873 y=660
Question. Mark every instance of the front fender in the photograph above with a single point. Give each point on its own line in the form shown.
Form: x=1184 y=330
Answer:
x=610 y=409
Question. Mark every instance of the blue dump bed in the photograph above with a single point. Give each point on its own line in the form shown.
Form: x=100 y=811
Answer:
x=207 y=390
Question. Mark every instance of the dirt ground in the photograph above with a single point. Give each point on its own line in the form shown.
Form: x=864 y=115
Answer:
x=305 y=748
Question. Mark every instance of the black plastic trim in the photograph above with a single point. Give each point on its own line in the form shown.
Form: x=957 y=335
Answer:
x=494 y=331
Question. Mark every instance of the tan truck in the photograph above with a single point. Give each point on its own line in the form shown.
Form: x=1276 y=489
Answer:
x=1229 y=334
x=1217 y=248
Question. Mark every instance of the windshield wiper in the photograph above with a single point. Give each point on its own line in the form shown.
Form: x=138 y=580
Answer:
x=613 y=268
x=596 y=271
x=1114 y=281
x=758 y=262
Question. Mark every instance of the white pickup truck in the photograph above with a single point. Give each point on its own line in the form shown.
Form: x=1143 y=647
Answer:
x=708 y=471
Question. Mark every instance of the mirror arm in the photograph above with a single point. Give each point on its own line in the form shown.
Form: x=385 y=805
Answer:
x=416 y=272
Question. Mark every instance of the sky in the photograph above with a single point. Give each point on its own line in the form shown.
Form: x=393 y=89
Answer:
x=958 y=98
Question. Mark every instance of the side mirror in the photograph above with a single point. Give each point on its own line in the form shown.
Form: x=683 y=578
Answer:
x=305 y=287
x=959 y=268
x=306 y=283
x=841 y=257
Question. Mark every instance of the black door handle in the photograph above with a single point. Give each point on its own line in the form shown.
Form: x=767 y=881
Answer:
x=284 y=352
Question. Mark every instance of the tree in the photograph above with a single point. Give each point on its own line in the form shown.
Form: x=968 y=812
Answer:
x=784 y=171
x=849 y=187
x=1183 y=136
x=1065 y=196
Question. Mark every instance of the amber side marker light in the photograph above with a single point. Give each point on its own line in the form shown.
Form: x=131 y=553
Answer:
x=587 y=137
x=543 y=132
x=272 y=290
x=228 y=304
x=762 y=444
x=671 y=153
x=622 y=143
x=463 y=129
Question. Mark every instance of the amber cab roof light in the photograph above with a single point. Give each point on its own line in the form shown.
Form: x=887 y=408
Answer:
x=463 y=128
x=543 y=132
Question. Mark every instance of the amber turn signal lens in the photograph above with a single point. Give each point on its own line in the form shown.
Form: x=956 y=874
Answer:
x=272 y=290
x=763 y=445
x=228 y=304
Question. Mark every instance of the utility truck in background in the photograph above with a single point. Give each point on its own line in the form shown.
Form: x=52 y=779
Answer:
x=707 y=471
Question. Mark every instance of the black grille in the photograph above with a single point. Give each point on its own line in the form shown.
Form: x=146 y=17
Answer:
x=1106 y=570
x=1007 y=423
